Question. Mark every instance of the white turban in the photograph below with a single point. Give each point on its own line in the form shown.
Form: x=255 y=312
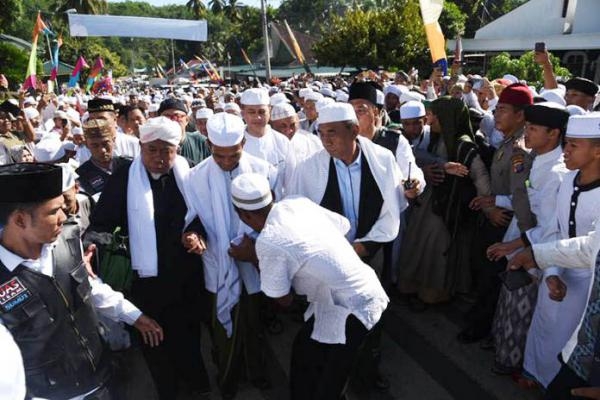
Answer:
x=412 y=109
x=585 y=126
x=281 y=111
x=255 y=97
x=278 y=98
x=336 y=112
x=160 y=128
x=204 y=113
x=251 y=192
x=225 y=129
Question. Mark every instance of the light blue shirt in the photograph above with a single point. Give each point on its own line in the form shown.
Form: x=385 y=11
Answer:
x=349 y=185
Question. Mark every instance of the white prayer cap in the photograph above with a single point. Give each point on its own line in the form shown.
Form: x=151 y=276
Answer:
x=380 y=98
x=327 y=86
x=153 y=107
x=31 y=112
x=281 y=111
x=412 y=109
x=30 y=100
x=395 y=89
x=411 y=95
x=555 y=96
x=461 y=78
x=278 y=98
x=324 y=102
x=160 y=128
x=251 y=192
x=313 y=96
x=336 y=112
x=77 y=131
x=225 y=129
x=585 y=126
x=478 y=84
x=511 y=78
x=327 y=92
x=60 y=114
x=69 y=176
x=69 y=146
x=255 y=97
x=342 y=96
x=303 y=92
x=232 y=107
x=48 y=150
x=575 y=110
x=204 y=113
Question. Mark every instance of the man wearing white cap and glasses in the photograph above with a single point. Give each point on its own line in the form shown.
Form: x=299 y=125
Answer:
x=147 y=200
x=202 y=115
x=302 y=246
x=262 y=141
x=233 y=285
x=284 y=119
x=361 y=181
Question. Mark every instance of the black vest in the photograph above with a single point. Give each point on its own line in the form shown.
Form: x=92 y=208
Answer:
x=371 y=199
x=54 y=323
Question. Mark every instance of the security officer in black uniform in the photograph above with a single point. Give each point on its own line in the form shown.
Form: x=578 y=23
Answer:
x=46 y=299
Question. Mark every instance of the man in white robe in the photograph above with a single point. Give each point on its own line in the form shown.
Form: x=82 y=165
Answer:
x=284 y=119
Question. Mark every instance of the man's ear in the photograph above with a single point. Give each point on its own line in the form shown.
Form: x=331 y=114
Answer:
x=19 y=218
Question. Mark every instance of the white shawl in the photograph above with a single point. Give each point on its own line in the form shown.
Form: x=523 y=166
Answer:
x=140 y=215
x=311 y=175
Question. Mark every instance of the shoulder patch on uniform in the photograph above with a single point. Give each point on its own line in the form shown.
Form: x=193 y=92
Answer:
x=12 y=294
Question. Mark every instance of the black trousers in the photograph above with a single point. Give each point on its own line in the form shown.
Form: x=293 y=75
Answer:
x=563 y=382
x=487 y=282
x=320 y=371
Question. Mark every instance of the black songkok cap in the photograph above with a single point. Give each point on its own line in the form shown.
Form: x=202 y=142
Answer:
x=9 y=107
x=172 y=104
x=363 y=90
x=30 y=182
x=582 y=85
x=99 y=104
x=547 y=114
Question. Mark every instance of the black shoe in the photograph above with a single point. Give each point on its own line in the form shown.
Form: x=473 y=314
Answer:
x=381 y=383
x=470 y=335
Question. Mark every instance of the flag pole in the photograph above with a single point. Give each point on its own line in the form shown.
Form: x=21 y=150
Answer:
x=173 y=57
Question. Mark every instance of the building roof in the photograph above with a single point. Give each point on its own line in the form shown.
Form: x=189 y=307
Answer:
x=561 y=24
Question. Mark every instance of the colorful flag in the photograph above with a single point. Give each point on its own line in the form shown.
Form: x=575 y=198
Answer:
x=39 y=27
x=211 y=70
x=431 y=11
x=79 y=66
x=246 y=58
x=295 y=46
x=183 y=65
x=54 y=72
x=94 y=72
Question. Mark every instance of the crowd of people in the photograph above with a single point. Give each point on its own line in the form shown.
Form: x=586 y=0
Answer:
x=132 y=219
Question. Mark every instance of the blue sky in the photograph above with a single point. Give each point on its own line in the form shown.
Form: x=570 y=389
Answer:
x=255 y=3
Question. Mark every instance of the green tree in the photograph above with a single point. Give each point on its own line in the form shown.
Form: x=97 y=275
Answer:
x=233 y=11
x=523 y=67
x=82 y=6
x=12 y=12
x=13 y=64
x=482 y=12
x=197 y=7
x=216 y=6
x=311 y=16
x=391 y=37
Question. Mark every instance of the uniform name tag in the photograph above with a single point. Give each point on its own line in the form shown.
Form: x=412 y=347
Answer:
x=13 y=293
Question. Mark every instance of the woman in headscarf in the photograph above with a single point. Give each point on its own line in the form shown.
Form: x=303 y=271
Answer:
x=21 y=154
x=434 y=263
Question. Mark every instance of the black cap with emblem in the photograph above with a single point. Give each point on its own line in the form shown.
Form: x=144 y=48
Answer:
x=582 y=85
x=549 y=114
x=99 y=104
x=30 y=182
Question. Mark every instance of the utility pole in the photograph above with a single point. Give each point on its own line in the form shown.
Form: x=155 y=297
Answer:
x=263 y=6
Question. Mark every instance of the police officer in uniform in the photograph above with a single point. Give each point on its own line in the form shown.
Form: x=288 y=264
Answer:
x=46 y=298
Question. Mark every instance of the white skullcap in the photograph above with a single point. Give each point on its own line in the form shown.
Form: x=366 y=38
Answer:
x=412 y=109
x=478 y=84
x=575 y=110
x=204 y=113
x=313 y=96
x=232 y=107
x=411 y=96
x=255 y=97
x=318 y=84
x=585 y=126
x=251 y=192
x=153 y=107
x=30 y=100
x=461 y=78
x=303 y=92
x=324 y=102
x=327 y=92
x=225 y=129
x=380 y=100
x=69 y=176
x=160 y=128
x=31 y=112
x=555 y=96
x=60 y=114
x=342 y=96
x=395 y=89
x=336 y=112
x=48 y=150
x=77 y=131
x=278 y=98
x=69 y=146
x=511 y=78
x=281 y=111
x=327 y=86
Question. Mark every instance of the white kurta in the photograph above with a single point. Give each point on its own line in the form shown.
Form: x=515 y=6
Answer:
x=126 y=145
x=305 y=144
x=554 y=322
x=311 y=175
x=303 y=246
x=274 y=148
